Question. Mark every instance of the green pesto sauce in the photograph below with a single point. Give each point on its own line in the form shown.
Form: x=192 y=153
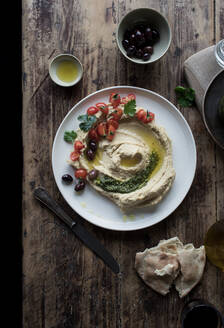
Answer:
x=140 y=179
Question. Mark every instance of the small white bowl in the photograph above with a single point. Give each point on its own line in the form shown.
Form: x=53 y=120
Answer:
x=53 y=66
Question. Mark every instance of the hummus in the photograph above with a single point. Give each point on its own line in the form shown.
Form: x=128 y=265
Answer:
x=135 y=168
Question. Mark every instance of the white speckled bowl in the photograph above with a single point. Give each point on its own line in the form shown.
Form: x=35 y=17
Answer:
x=54 y=65
x=152 y=17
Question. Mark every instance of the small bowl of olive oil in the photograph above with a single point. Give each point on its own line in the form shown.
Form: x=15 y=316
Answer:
x=65 y=70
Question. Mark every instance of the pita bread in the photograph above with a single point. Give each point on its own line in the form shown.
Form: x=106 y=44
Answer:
x=171 y=262
x=157 y=269
x=171 y=245
x=192 y=263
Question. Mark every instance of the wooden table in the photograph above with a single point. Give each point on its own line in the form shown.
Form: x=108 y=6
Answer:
x=65 y=284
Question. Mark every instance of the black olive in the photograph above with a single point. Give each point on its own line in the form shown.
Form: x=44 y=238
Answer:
x=80 y=185
x=148 y=33
x=92 y=175
x=67 y=178
x=125 y=43
x=139 y=53
x=148 y=49
x=138 y=34
x=90 y=154
x=146 y=56
x=140 y=42
x=132 y=39
x=131 y=51
x=93 y=145
x=155 y=35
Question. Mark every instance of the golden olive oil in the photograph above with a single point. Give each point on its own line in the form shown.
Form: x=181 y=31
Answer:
x=214 y=244
x=97 y=159
x=67 y=71
x=131 y=161
x=153 y=144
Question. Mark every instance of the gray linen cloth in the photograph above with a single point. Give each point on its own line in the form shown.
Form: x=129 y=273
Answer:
x=200 y=69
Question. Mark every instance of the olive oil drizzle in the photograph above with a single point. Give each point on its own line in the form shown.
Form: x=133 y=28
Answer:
x=140 y=179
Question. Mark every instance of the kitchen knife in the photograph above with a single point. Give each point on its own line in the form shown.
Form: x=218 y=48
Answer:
x=88 y=239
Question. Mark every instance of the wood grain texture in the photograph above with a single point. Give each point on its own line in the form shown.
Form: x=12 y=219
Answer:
x=64 y=284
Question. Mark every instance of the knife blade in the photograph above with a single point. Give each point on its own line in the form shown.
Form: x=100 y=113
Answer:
x=87 y=238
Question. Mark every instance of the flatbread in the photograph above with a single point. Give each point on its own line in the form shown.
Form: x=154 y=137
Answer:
x=157 y=269
x=171 y=262
x=192 y=262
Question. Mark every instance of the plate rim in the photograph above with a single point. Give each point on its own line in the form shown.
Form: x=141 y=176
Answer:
x=203 y=109
x=138 y=89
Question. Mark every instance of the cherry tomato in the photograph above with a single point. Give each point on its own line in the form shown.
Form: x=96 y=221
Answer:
x=81 y=173
x=141 y=114
x=102 y=129
x=93 y=135
x=74 y=156
x=113 y=122
x=92 y=110
x=117 y=114
x=148 y=117
x=78 y=145
x=151 y=116
x=103 y=108
x=114 y=99
x=131 y=96
x=111 y=132
x=125 y=100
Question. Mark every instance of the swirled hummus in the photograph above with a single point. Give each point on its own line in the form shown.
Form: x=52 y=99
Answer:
x=135 y=167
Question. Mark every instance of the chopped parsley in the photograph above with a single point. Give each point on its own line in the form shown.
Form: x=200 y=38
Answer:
x=138 y=181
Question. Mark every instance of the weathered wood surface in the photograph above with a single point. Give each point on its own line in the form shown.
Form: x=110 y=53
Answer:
x=64 y=284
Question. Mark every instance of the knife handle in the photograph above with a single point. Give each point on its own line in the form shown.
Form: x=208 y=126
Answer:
x=42 y=195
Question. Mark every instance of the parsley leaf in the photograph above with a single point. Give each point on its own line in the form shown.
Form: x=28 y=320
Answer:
x=130 y=108
x=185 y=96
x=87 y=122
x=70 y=136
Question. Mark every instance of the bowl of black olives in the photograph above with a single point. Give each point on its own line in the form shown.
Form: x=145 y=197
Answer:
x=143 y=36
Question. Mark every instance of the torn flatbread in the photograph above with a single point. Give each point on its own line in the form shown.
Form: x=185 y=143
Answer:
x=171 y=262
x=157 y=269
x=192 y=262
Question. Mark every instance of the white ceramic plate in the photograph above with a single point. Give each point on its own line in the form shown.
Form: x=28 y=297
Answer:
x=96 y=208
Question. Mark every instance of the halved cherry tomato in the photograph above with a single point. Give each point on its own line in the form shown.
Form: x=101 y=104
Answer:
x=78 y=145
x=81 y=173
x=141 y=114
x=92 y=110
x=125 y=100
x=74 y=156
x=114 y=99
x=102 y=129
x=93 y=135
x=103 y=108
x=113 y=122
x=131 y=96
x=149 y=117
x=117 y=114
x=111 y=132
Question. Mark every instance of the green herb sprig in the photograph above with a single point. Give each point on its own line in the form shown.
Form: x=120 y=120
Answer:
x=185 y=96
x=130 y=108
x=87 y=122
x=70 y=136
